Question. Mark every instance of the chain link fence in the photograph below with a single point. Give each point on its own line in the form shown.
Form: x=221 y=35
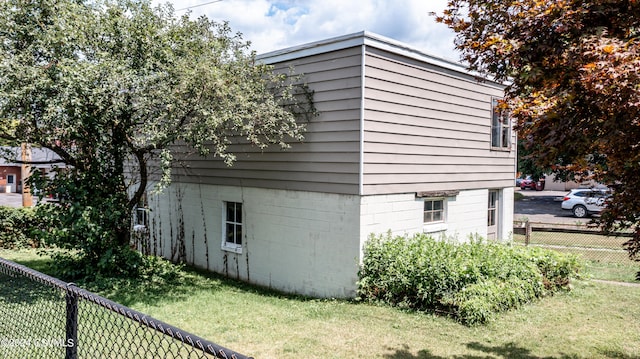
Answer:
x=43 y=317
x=583 y=239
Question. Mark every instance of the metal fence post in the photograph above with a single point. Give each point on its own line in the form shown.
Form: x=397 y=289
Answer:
x=71 y=342
x=527 y=234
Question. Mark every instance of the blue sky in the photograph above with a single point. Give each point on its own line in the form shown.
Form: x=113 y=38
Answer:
x=273 y=25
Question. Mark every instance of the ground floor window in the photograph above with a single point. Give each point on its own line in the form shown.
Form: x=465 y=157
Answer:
x=232 y=225
x=493 y=207
x=434 y=210
x=141 y=216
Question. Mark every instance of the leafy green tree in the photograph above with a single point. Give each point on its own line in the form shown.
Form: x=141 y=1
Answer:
x=111 y=86
x=573 y=69
x=527 y=163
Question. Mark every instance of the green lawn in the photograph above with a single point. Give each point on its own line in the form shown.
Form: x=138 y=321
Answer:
x=612 y=271
x=604 y=256
x=594 y=320
x=580 y=240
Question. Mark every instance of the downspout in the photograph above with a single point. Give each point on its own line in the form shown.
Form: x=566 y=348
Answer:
x=361 y=164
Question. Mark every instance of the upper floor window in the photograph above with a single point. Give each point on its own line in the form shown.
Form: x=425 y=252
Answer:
x=500 y=127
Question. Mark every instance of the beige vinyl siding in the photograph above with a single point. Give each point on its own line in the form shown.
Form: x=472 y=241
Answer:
x=428 y=128
x=425 y=128
x=328 y=158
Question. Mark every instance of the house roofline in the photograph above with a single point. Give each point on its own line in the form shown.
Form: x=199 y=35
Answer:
x=364 y=38
x=356 y=39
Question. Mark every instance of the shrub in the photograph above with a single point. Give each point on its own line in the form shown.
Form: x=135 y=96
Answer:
x=143 y=269
x=37 y=228
x=556 y=268
x=470 y=281
x=478 y=302
x=16 y=226
x=95 y=244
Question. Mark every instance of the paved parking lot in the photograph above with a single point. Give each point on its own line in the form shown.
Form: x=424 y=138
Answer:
x=543 y=206
x=11 y=199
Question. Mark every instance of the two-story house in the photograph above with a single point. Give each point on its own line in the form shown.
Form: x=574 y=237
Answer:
x=405 y=142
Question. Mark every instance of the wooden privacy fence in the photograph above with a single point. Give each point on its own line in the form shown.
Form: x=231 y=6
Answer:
x=587 y=240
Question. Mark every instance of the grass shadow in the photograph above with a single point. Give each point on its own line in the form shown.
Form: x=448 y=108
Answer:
x=41 y=264
x=154 y=290
x=506 y=351
x=16 y=289
x=405 y=353
x=125 y=291
x=150 y=290
x=616 y=354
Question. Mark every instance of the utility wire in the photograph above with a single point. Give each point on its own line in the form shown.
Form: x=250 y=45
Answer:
x=203 y=4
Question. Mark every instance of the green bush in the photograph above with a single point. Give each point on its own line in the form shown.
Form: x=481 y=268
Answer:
x=556 y=268
x=470 y=281
x=16 y=226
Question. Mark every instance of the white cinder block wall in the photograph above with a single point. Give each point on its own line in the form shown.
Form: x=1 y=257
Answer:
x=399 y=213
x=466 y=215
x=301 y=242
x=298 y=242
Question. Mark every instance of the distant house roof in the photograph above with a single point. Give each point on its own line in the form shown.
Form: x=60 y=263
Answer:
x=41 y=157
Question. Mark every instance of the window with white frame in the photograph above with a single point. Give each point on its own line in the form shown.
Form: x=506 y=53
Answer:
x=500 y=127
x=493 y=208
x=141 y=216
x=434 y=211
x=232 y=225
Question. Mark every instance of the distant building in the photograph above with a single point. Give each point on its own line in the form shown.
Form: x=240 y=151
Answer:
x=553 y=184
x=11 y=167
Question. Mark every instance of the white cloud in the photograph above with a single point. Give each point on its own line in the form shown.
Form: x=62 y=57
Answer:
x=276 y=24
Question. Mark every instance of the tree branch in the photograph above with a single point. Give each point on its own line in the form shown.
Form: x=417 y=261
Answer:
x=144 y=178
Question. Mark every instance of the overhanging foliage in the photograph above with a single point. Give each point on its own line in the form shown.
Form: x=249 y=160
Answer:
x=108 y=82
x=574 y=73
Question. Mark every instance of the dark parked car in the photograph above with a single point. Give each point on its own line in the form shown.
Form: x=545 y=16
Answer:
x=529 y=183
x=520 y=179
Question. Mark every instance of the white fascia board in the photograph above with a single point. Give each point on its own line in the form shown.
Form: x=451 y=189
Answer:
x=365 y=38
x=400 y=48
x=312 y=48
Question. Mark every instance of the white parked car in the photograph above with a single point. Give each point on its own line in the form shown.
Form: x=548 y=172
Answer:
x=584 y=202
